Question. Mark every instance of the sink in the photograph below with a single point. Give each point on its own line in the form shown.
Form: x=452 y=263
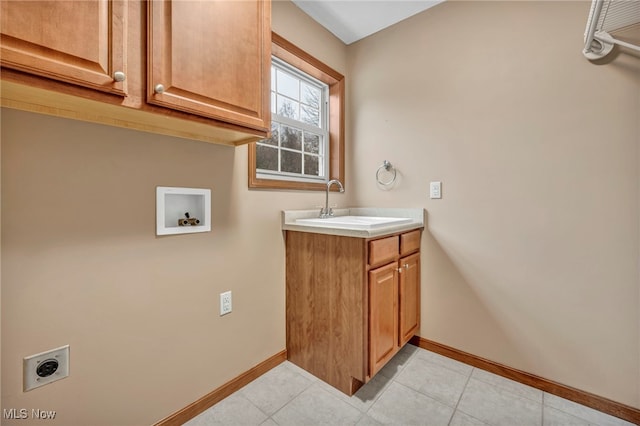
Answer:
x=353 y=222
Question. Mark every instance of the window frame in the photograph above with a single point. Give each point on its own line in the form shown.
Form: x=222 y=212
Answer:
x=298 y=58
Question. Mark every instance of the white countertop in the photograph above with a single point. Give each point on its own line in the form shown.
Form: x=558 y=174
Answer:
x=289 y=218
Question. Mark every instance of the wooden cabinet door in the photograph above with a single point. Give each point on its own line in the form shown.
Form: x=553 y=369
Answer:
x=78 y=42
x=211 y=58
x=383 y=316
x=409 y=297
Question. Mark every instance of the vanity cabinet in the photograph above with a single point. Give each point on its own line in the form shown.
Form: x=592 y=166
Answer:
x=194 y=69
x=383 y=316
x=394 y=296
x=352 y=303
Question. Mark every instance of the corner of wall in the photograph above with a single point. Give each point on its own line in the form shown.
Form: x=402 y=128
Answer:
x=0 y=262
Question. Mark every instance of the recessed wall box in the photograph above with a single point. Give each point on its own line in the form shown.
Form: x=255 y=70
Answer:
x=182 y=210
x=45 y=367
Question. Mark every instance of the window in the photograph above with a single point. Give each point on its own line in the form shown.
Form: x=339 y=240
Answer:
x=306 y=147
x=298 y=148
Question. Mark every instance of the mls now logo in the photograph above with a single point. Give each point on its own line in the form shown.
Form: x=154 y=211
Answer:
x=23 y=413
x=14 y=413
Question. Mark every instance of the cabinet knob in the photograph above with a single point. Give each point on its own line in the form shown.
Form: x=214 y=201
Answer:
x=400 y=270
x=406 y=266
x=119 y=76
x=159 y=89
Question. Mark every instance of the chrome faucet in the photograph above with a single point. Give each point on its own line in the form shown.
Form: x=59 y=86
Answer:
x=326 y=211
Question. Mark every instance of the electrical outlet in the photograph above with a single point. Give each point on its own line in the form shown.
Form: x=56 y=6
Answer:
x=45 y=367
x=225 y=303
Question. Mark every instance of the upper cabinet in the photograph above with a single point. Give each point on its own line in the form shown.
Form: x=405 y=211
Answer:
x=198 y=69
x=78 y=42
x=222 y=69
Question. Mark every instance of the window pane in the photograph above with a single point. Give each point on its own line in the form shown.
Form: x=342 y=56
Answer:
x=291 y=138
x=310 y=115
x=310 y=95
x=288 y=108
x=311 y=165
x=266 y=158
x=311 y=143
x=291 y=162
x=288 y=85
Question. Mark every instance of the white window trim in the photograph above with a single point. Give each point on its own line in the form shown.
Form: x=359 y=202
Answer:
x=323 y=131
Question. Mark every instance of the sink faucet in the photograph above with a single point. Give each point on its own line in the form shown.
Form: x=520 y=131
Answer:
x=326 y=211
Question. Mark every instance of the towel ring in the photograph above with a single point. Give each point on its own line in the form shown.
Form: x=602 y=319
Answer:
x=386 y=166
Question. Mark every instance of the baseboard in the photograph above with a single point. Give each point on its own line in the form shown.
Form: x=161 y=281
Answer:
x=599 y=403
x=190 y=411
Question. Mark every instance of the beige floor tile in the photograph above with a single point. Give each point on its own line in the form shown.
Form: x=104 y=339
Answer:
x=582 y=412
x=508 y=384
x=399 y=361
x=445 y=362
x=233 y=410
x=368 y=421
x=499 y=407
x=553 y=417
x=433 y=380
x=274 y=389
x=417 y=387
x=366 y=395
x=316 y=406
x=400 y=405
x=291 y=366
x=462 y=419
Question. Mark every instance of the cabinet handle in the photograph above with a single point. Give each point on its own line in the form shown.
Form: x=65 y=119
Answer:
x=119 y=76
x=159 y=89
x=406 y=266
x=399 y=270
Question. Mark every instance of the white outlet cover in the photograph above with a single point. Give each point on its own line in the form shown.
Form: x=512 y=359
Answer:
x=30 y=364
x=435 y=190
x=225 y=303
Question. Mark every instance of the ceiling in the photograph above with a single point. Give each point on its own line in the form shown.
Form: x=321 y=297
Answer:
x=351 y=20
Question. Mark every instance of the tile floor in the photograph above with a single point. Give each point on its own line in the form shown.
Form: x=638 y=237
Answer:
x=416 y=387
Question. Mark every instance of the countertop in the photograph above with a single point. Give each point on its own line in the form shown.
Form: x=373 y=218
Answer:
x=416 y=215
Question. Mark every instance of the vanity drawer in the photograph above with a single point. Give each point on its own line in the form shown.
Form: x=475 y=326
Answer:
x=383 y=250
x=409 y=242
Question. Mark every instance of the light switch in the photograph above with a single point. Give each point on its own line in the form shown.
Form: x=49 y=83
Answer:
x=435 y=190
